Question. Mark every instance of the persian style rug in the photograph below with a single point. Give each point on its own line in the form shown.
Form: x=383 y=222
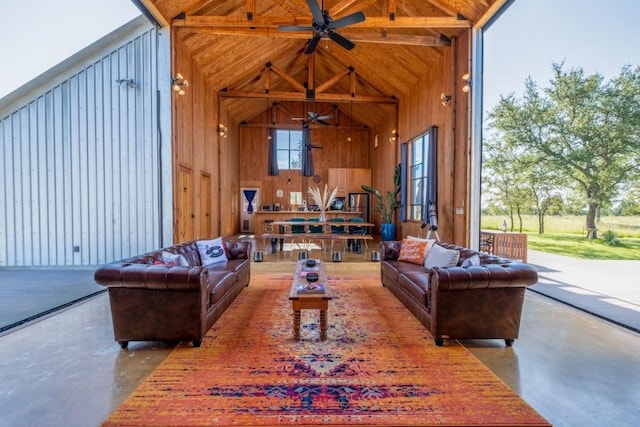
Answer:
x=379 y=366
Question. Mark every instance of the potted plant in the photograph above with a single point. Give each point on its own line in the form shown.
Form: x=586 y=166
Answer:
x=387 y=205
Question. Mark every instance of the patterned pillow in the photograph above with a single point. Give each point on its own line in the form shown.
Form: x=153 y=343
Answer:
x=441 y=257
x=430 y=243
x=211 y=251
x=174 y=259
x=412 y=251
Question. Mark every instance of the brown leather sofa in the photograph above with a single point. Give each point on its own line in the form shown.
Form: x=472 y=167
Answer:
x=476 y=302
x=151 y=301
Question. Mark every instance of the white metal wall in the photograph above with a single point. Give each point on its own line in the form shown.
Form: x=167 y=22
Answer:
x=80 y=164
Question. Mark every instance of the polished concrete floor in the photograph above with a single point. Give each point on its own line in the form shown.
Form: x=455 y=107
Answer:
x=574 y=368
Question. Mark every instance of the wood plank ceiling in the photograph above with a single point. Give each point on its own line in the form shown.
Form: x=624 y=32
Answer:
x=237 y=46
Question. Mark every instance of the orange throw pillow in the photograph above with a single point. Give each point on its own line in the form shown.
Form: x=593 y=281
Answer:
x=412 y=251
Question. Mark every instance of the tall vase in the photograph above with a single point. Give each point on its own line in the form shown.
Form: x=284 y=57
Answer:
x=388 y=232
x=323 y=216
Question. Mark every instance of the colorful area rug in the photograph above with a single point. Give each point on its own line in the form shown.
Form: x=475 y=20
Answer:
x=379 y=366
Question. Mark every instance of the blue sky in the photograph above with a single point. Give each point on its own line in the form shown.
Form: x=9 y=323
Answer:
x=598 y=35
x=531 y=35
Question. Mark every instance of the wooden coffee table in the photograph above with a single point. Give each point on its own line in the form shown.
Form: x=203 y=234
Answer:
x=309 y=301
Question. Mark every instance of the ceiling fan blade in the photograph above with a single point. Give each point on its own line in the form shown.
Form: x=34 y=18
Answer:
x=327 y=117
x=294 y=28
x=316 y=12
x=312 y=44
x=354 y=18
x=342 y=41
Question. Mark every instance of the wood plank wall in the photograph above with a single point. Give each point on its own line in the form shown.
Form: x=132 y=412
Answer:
x=240 y=160
x=336 y=152
x=418 y=111
x=201 y=166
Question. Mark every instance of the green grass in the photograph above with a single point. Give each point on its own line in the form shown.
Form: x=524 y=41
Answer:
x=565 y=235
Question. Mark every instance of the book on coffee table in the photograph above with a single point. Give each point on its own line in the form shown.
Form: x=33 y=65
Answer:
x=310 y=288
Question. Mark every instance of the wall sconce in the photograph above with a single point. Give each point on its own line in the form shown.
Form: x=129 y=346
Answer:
x=467 y=78
x=394 y=136
x=178 y=83
x=129 y=82
x=222 y=131
x=445 y=99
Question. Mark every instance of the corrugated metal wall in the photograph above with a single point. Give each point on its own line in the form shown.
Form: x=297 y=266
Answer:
x=79 y=164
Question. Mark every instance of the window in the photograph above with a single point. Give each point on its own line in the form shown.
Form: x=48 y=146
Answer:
x=295 y=198
x=289 y=147
x=418 y=161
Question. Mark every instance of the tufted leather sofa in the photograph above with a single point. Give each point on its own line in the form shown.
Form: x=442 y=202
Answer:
x=151 y=301
x=483 y=301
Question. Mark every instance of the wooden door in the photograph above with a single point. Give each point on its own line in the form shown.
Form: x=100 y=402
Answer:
x=185 y=216
x=205 y=224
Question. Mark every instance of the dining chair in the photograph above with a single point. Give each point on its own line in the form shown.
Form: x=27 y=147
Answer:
x=298 y=229
x=355 y=244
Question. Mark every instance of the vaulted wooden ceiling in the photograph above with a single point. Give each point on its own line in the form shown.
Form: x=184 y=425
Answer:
x=238 y=48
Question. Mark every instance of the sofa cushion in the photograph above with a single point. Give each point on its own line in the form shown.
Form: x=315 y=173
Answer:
x=471 y=261
x=412 y=251
x=211 y=251
x=416 y=283
x=441 y=257
x=219 y=283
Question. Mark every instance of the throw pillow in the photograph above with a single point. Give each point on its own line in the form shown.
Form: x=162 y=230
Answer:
x=472 y=260
x=171 y=259
x=211 y=251
x=412 y=251
x=430 y=243
x=441 y=257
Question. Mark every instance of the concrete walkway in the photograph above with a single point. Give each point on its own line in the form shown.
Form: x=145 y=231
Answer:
x=607 y=289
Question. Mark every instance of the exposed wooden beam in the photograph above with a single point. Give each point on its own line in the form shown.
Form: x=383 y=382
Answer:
x=382 y=37
x=320 y=97
x=375 y=22
x=251 y=9
x=332 y=81
x=283 y=74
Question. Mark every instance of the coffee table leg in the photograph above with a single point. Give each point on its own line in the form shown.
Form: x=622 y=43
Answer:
x=323 y=325
x=296 y=325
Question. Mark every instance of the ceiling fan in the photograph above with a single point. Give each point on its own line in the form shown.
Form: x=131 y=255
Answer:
x=323 y=25
x=314 y=118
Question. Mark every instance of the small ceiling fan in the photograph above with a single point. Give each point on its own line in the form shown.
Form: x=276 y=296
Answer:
x=314 y=118
x=323 y=25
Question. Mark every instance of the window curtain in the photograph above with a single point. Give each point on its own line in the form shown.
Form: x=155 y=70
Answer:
x=249 y=195
x=273 y=153
x=404 y=158
x=432 y=170
x=307 y=159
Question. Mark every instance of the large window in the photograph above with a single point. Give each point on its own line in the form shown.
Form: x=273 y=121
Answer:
x=289 y=146
x=418 y=176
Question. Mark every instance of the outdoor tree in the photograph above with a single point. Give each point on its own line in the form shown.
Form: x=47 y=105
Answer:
x=501 y=175
x=585 y=128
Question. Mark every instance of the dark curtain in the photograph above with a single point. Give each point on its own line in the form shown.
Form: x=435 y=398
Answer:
x=432 y=170
x=273 y=154
x=404 y=149
x=250 y=195
x=307 y=159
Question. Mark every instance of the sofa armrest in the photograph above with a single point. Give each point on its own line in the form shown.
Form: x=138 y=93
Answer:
x=513 y=274
x=390 y=250
x=150 y=276
x=237 y=249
